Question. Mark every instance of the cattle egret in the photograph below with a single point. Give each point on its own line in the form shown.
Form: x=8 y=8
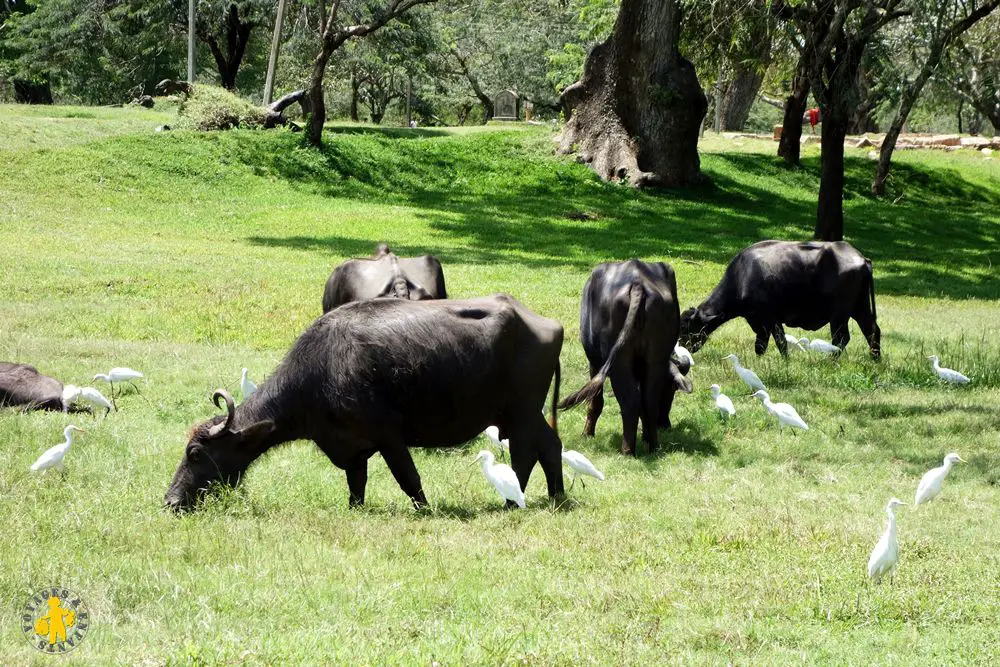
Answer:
x=580 y=465
x=683 y=354
x=930 y=483
x=820 y=345
x=70 y=394
x=53 y=457
x=946 y=374
x=492 y=433
x=722 y=402
x=793 y=343
x=885 y=555
x=783 y=412
x=502 y=478
x=247 y=386
x=749 y=378
x=95 y=399
x=119 y=375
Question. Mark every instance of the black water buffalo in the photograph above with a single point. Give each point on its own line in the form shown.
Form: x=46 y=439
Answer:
x=384 y=274
x=23 y=386
x=628 y=325
x=383 y=375
x=805 y=285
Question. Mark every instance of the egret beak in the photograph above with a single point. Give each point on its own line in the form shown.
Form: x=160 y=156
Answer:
x=962 y=460
x=79 y=429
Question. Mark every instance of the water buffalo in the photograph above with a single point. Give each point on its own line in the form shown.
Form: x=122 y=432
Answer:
x=384 y=274
x=629 y=322
x=383 y=375
x=23 y=386
x=805 y=285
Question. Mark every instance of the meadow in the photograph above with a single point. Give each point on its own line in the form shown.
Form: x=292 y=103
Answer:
x=189 y=256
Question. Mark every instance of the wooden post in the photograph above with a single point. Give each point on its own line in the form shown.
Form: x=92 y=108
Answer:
x=272 y=62
x=191 y=6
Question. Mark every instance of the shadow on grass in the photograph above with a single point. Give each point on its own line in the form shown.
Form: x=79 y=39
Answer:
x=496 y=193
x=392 y=132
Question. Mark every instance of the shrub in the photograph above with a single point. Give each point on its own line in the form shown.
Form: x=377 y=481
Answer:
x=213 y=108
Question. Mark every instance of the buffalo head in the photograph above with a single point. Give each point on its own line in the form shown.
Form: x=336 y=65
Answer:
x=215 y=453
x=694 y=330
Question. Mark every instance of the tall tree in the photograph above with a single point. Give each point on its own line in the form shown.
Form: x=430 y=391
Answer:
x=226 y=26
x=335 y=34
x=972 y=68
x=636 y=112
x=930 y=32
x=831 y=38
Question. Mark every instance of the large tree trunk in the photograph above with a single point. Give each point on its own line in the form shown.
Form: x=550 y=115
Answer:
x=739 y=97
x=789 y=146
x=355 y=84
x=484 y=99
x=237 y=36
x=636 y=113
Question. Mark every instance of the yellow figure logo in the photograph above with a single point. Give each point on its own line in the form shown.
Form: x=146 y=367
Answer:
x=55 y=622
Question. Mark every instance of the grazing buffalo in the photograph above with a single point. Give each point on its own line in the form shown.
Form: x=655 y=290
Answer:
x=383 y=375
x=23 y=386
x=384 y=274
x=805 y=285
x=629 y=322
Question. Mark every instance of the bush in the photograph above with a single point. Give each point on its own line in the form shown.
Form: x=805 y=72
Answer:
x=213 y=108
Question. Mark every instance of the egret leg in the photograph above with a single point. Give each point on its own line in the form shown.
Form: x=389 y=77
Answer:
x=134 y=386
x=113 y=402
x=583 y=483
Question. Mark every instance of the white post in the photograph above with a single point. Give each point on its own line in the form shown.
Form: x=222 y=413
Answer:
x=191 y=6
x=272 y=62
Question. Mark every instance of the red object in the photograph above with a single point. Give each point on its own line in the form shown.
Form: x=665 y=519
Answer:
x=814 y=116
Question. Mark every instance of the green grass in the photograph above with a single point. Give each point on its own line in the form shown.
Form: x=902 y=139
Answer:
x=191 y=255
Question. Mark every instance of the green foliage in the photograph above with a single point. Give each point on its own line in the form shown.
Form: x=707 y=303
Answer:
x=213 y=108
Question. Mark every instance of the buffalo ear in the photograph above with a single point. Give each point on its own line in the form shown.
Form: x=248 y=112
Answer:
x=256 y=432
x=680 y=381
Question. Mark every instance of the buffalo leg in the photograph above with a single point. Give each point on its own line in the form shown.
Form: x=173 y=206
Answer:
x=778 y=332
x=550 y=456
x=401 y=465
x=595 y=407
x=651 y=392
x=869 y=327
x=763 y=334
x=839 y=332
x=357 y=480
x=630 y=403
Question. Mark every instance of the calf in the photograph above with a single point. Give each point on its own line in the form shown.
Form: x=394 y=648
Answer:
x=384 y=274
x=806 y=285
x=628 y=327
x=23 y=386
x=383 y=375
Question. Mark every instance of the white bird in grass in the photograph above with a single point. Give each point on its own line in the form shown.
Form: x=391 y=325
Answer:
x=247 y=386
x=722 y=402
x=492 y=433
x=930 y=483
x=783 y=412
x=580 y=465
x=70 y=395
x=53 y=457
x=820 y=345
x=885 y=555
x=793 y=343
x=683 y=354
x=947 y=374
x=119 y=375
x=502 y=478
x=749 y=378
x=95 y=399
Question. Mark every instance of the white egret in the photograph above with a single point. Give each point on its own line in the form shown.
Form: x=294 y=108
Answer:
x=247 y=386
x=749 y=378
x=930 y=483
x=722 y=402
x=580 y=465
x=885 y=555
x=502 y=478
x=947 y=374
x=793 y=343
x=53 y=457
x=70 y=394
x=492 y=433
x=119 y=374
x=820 y=345
x=95 y=399
x=783 y=412
x=683 y=354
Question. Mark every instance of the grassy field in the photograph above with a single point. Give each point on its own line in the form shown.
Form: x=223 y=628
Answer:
x=189 y=256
